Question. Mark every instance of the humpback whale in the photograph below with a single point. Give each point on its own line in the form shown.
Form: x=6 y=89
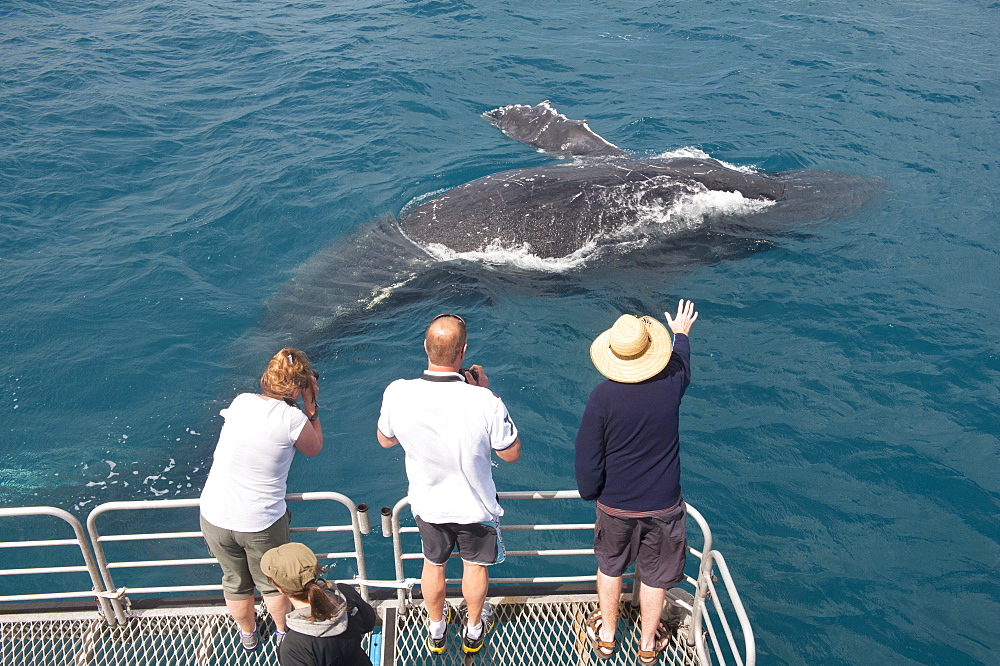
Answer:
x=598 y=201
x=605 y=194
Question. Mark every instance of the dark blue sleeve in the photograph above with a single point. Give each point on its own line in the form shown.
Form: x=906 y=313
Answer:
x=590 y=473
x=680 y=361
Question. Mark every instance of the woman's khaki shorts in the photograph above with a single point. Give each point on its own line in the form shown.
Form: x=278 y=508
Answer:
x=239 y=556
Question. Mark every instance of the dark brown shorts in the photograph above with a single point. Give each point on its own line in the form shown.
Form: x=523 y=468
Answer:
x=478 y=543
x=658 y=546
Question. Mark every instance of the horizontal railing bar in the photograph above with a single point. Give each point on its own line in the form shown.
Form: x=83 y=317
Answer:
x=519 y=553
x=48 y=595
x=174 y=588
x=138 y=564
x=554 y=553
x=43 y=570
x=145 y=537
x=194 y=535
x=36 y=544
x=524 y=528
x=539 y=494
x=539 y=579
x=546 y=528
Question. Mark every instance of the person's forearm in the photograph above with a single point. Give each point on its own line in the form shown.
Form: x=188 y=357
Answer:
x=386 y=442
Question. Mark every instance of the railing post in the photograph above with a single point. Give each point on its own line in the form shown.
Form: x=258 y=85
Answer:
x=359 y=549
x=95 y=539
x=397 y=552
x=701 y=588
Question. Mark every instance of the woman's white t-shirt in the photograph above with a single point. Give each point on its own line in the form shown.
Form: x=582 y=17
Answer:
x=245 y=490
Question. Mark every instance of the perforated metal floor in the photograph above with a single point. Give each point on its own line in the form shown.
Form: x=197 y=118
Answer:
x=190 y=636
x=543 y=631
x=528 y=631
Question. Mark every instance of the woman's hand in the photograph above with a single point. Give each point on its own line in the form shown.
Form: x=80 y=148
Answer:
x=310 y=441
x=310 y=395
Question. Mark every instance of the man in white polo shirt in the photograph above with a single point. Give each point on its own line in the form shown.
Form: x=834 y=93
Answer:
x=448 y=422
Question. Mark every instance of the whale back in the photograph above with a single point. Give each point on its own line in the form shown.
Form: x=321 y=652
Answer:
x=555 y=211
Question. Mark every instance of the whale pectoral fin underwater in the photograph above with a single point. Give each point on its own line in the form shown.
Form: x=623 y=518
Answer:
x=545 y=128
x=350 y=277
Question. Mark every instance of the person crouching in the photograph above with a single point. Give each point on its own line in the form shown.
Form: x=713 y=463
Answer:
x=327 y=620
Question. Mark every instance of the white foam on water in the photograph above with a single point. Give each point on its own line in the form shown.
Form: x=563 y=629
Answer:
x=699 y=154
x=497 y=254
x=692 y=210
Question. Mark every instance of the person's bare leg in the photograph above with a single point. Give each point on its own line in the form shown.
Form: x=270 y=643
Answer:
x=475 y=585
x=242 y=611
x=650 y=609
x=432 y=587
x=278 y=606
x=609 y=593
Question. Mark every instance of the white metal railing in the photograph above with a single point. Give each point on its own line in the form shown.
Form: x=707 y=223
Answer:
x=79 y=539
x=702 y=626
x=359 y=525
x=391 y=527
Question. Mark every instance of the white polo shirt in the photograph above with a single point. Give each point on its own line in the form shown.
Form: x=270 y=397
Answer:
x=447 y=429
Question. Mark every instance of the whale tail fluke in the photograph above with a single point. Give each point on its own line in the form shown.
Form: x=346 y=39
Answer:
x=545 y=128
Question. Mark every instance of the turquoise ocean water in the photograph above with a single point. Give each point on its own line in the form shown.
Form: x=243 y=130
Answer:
x=166 y=168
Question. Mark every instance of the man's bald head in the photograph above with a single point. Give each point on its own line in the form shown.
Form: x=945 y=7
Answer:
x=444 y=341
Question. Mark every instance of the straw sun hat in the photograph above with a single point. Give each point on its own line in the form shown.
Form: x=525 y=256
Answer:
x=633 y=350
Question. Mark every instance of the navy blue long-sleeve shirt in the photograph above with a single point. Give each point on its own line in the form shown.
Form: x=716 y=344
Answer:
x=628 y=447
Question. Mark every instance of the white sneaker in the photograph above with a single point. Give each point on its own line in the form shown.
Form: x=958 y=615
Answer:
x=471 y=645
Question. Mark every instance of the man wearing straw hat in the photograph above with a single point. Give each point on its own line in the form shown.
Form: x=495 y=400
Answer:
x=627 y=459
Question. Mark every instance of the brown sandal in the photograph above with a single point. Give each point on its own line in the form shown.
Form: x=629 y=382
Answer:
x=650 y=657
x=602 y=649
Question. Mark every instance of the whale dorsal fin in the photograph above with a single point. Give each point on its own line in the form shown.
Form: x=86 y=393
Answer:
x=545 y=128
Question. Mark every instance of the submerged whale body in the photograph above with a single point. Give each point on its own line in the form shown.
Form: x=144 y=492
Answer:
x=599 y=199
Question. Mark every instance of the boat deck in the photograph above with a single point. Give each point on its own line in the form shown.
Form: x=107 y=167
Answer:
x=118 y=618
x=541 y=630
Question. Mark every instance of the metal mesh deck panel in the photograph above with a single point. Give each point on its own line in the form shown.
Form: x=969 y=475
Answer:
x=532 y=632
x=543 y=631
x=199 y=637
